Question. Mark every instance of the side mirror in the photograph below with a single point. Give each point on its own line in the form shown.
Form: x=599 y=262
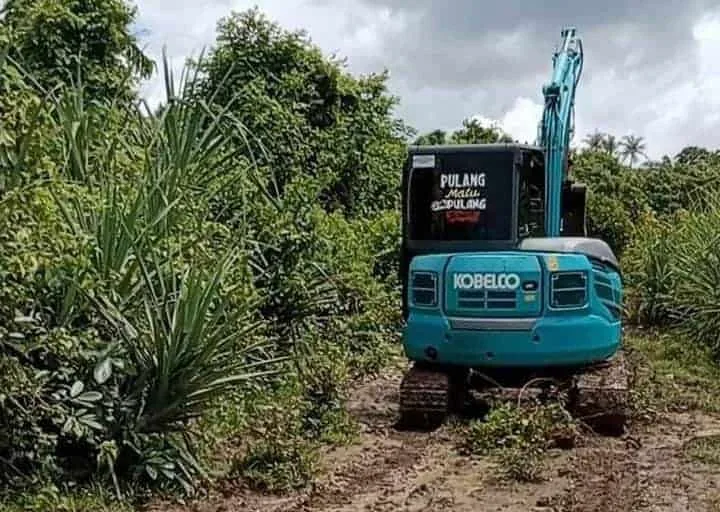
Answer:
x=573 y=210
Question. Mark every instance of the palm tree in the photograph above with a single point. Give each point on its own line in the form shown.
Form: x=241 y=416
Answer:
x=610 y=145
x=594 y=141
x=632 y=148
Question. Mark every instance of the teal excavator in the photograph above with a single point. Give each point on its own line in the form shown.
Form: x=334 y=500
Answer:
x=501 y=284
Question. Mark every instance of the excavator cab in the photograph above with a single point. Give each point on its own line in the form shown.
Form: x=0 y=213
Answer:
x=470 y=198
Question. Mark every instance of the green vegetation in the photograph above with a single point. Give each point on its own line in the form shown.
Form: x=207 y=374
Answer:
x=472 y=132
x=520 y=436
x=215 y=270
x=189 y=290
x=705 y=449
x=672 y=374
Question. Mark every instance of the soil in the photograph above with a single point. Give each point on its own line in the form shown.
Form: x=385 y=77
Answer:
x=392 y=470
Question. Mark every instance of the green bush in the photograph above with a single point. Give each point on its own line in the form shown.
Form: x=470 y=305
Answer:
x=696 y=276
x=609 y=221
x=235 y=247
x=671 y=272
x=518 y=437
x=648 y=270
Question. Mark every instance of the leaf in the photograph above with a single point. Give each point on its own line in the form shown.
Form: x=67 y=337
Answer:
x=152 y=473
x=169 y=473
x=103 y=371
x=90 y=397
x=69 y=425
x=89 y=420
x=76 y=389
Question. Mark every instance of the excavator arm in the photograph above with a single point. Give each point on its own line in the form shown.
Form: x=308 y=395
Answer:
x=555 y=132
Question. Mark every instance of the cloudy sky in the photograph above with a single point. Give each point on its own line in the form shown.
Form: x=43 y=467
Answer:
x=652 y=68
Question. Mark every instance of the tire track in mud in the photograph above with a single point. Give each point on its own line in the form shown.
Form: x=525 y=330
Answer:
x=367 y=478
x=602 y=479
x=647 y=471
x=391 y=470
x=373 y=473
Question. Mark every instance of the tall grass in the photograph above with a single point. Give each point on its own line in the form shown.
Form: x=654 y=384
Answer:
x=695 y=300
x=673 y=269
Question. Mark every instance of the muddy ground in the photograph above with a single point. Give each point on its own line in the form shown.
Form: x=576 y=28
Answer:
x=391 y=470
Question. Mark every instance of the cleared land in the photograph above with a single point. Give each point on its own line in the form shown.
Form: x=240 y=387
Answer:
x=669 y=460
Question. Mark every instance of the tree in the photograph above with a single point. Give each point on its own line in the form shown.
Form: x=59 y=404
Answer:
x=692 y=154
x=594 y=141
x=631 y=148
x=435 y=137
x=309 y=120
x=610 y=145
x=56 y=39
x=473 y=132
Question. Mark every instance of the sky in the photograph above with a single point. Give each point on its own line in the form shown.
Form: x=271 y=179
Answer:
x=651 y=68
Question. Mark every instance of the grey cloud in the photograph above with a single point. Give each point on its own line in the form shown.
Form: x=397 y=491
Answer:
x=452 y=59
x=481 y=56
x=504 y=40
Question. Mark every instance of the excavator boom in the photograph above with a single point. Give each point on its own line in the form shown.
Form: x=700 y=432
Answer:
x=557 y=124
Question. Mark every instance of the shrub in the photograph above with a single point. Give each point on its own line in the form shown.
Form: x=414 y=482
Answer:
x=120 y=338
x=647 y=270
x=609 y=221
x=671 y=271
x=696 y=291
x=122 y=323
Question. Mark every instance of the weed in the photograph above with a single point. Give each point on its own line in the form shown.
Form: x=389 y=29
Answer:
x=704 y=449
x=671 y=374
x=51 y=498
x=519 y=437
x=278 y=465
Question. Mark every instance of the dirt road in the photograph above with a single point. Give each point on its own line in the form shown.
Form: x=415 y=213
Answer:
x=390 y=470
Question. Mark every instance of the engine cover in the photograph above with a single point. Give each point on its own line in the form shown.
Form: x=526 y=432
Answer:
x=488 y=285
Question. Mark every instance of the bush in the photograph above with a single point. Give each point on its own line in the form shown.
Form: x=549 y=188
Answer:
x=609 y=221
x=156 y=264
x=647 y=271
x=671 y=272
x=696 y=291
x=120 y=339
x=277 y=455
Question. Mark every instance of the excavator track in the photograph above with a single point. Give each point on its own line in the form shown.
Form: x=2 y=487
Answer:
x=424 y=397
x=600 y=396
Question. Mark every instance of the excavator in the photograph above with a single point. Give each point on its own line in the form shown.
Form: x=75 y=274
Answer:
x=501 y=284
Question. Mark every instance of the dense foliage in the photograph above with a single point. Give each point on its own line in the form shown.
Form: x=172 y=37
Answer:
x=222 y=264
x=471 y=132
x=220 y=268
x=664 y=220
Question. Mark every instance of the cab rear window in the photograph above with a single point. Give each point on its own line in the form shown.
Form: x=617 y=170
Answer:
x=466 y=196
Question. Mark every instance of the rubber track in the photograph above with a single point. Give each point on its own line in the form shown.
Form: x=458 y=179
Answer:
x=601 y=395
x=424 y=397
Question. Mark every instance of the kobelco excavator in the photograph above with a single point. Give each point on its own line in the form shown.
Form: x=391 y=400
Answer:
x=499 y=277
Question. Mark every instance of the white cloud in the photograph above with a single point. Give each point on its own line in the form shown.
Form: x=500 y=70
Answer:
x=521 y=121
x=186 y=27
